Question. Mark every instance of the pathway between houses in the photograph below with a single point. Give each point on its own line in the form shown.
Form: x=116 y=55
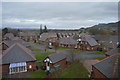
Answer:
x=88 y=64
x=87 y=59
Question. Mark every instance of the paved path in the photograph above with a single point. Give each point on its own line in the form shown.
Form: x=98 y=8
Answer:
x=40 y=47
x=87 y=59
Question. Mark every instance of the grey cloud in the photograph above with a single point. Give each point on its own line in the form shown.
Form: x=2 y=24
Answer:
x=60 y=14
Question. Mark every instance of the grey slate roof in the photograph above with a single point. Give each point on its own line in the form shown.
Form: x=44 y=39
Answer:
x=107 y=66
x=91 y=41
x=45 y=36
x=17 y=53
x=114 y=51
x=22 y=34
x=11 y=42
x=57 y=57
x=87 y=38
x=67 y=40
x=9 y=35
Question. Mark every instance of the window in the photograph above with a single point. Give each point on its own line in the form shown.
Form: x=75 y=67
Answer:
x=18 y=67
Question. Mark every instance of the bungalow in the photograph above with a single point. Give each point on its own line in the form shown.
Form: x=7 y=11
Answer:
x=54 y=61
x=62 y=35
x=67 y=42
x=33 y=36
x=17 y=59
x=7 y=44
x=85 y=42
x=107 y=68
x=23 y=35
x=8 y=36
x=112 y=52
x=48 y=36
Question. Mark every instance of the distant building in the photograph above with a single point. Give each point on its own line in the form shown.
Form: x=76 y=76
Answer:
x=62 y=35
x=67 y=42
x=107 y=68
x=17 y=59
x=48 y=36
x=7 y=44
x=86 y=42
x=54 y=61
x=8 y=36
x=23 y=35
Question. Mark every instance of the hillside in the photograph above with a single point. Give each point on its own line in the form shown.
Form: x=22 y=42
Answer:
x=109 y=28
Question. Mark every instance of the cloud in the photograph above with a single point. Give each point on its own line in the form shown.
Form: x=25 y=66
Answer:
x=58 y=15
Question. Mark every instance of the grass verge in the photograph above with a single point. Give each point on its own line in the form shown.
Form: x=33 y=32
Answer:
x=76 y=70
x=102 y=52
x=100 y=58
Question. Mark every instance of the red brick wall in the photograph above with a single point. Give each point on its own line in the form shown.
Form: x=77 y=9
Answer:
x=34 y=64
x=5 y=68
x=97 y=74
x=4 y=47
x=62 y=63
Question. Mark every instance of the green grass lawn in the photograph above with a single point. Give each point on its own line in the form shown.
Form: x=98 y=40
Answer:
x=102 y=52
x=100 y=58
x=76 y=70
x=38 y=74
x=35 y=50
x=41 y=56
x=77 y=51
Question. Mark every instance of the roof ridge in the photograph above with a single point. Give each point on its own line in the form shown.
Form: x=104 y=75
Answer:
x=25 y=51
x=115 y=67
x=8 y=50
x=108 y=57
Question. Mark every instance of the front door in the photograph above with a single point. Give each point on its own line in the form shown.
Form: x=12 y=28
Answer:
x=47 y=66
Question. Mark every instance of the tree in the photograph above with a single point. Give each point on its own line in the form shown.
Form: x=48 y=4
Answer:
x=45 y=28
x=71 y=56
x=41 y=31
x=4 y=31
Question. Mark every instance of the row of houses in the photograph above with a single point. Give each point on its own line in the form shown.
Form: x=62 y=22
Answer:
x=22 y=35
x=81 y=41
x=109 y=67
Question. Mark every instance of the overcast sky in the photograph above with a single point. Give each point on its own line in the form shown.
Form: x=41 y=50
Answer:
x=58 y=15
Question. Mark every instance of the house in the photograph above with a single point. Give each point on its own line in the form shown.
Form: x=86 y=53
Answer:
x=17 y=59
x=33 y=36
x=62 y=35
x=7 y=44
x=107 y=68
x=86 y=42
x=48 y=36
x=8 y=36
x=23 y=35
x=112 y=52
x=68 y=42
x=54 y=61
